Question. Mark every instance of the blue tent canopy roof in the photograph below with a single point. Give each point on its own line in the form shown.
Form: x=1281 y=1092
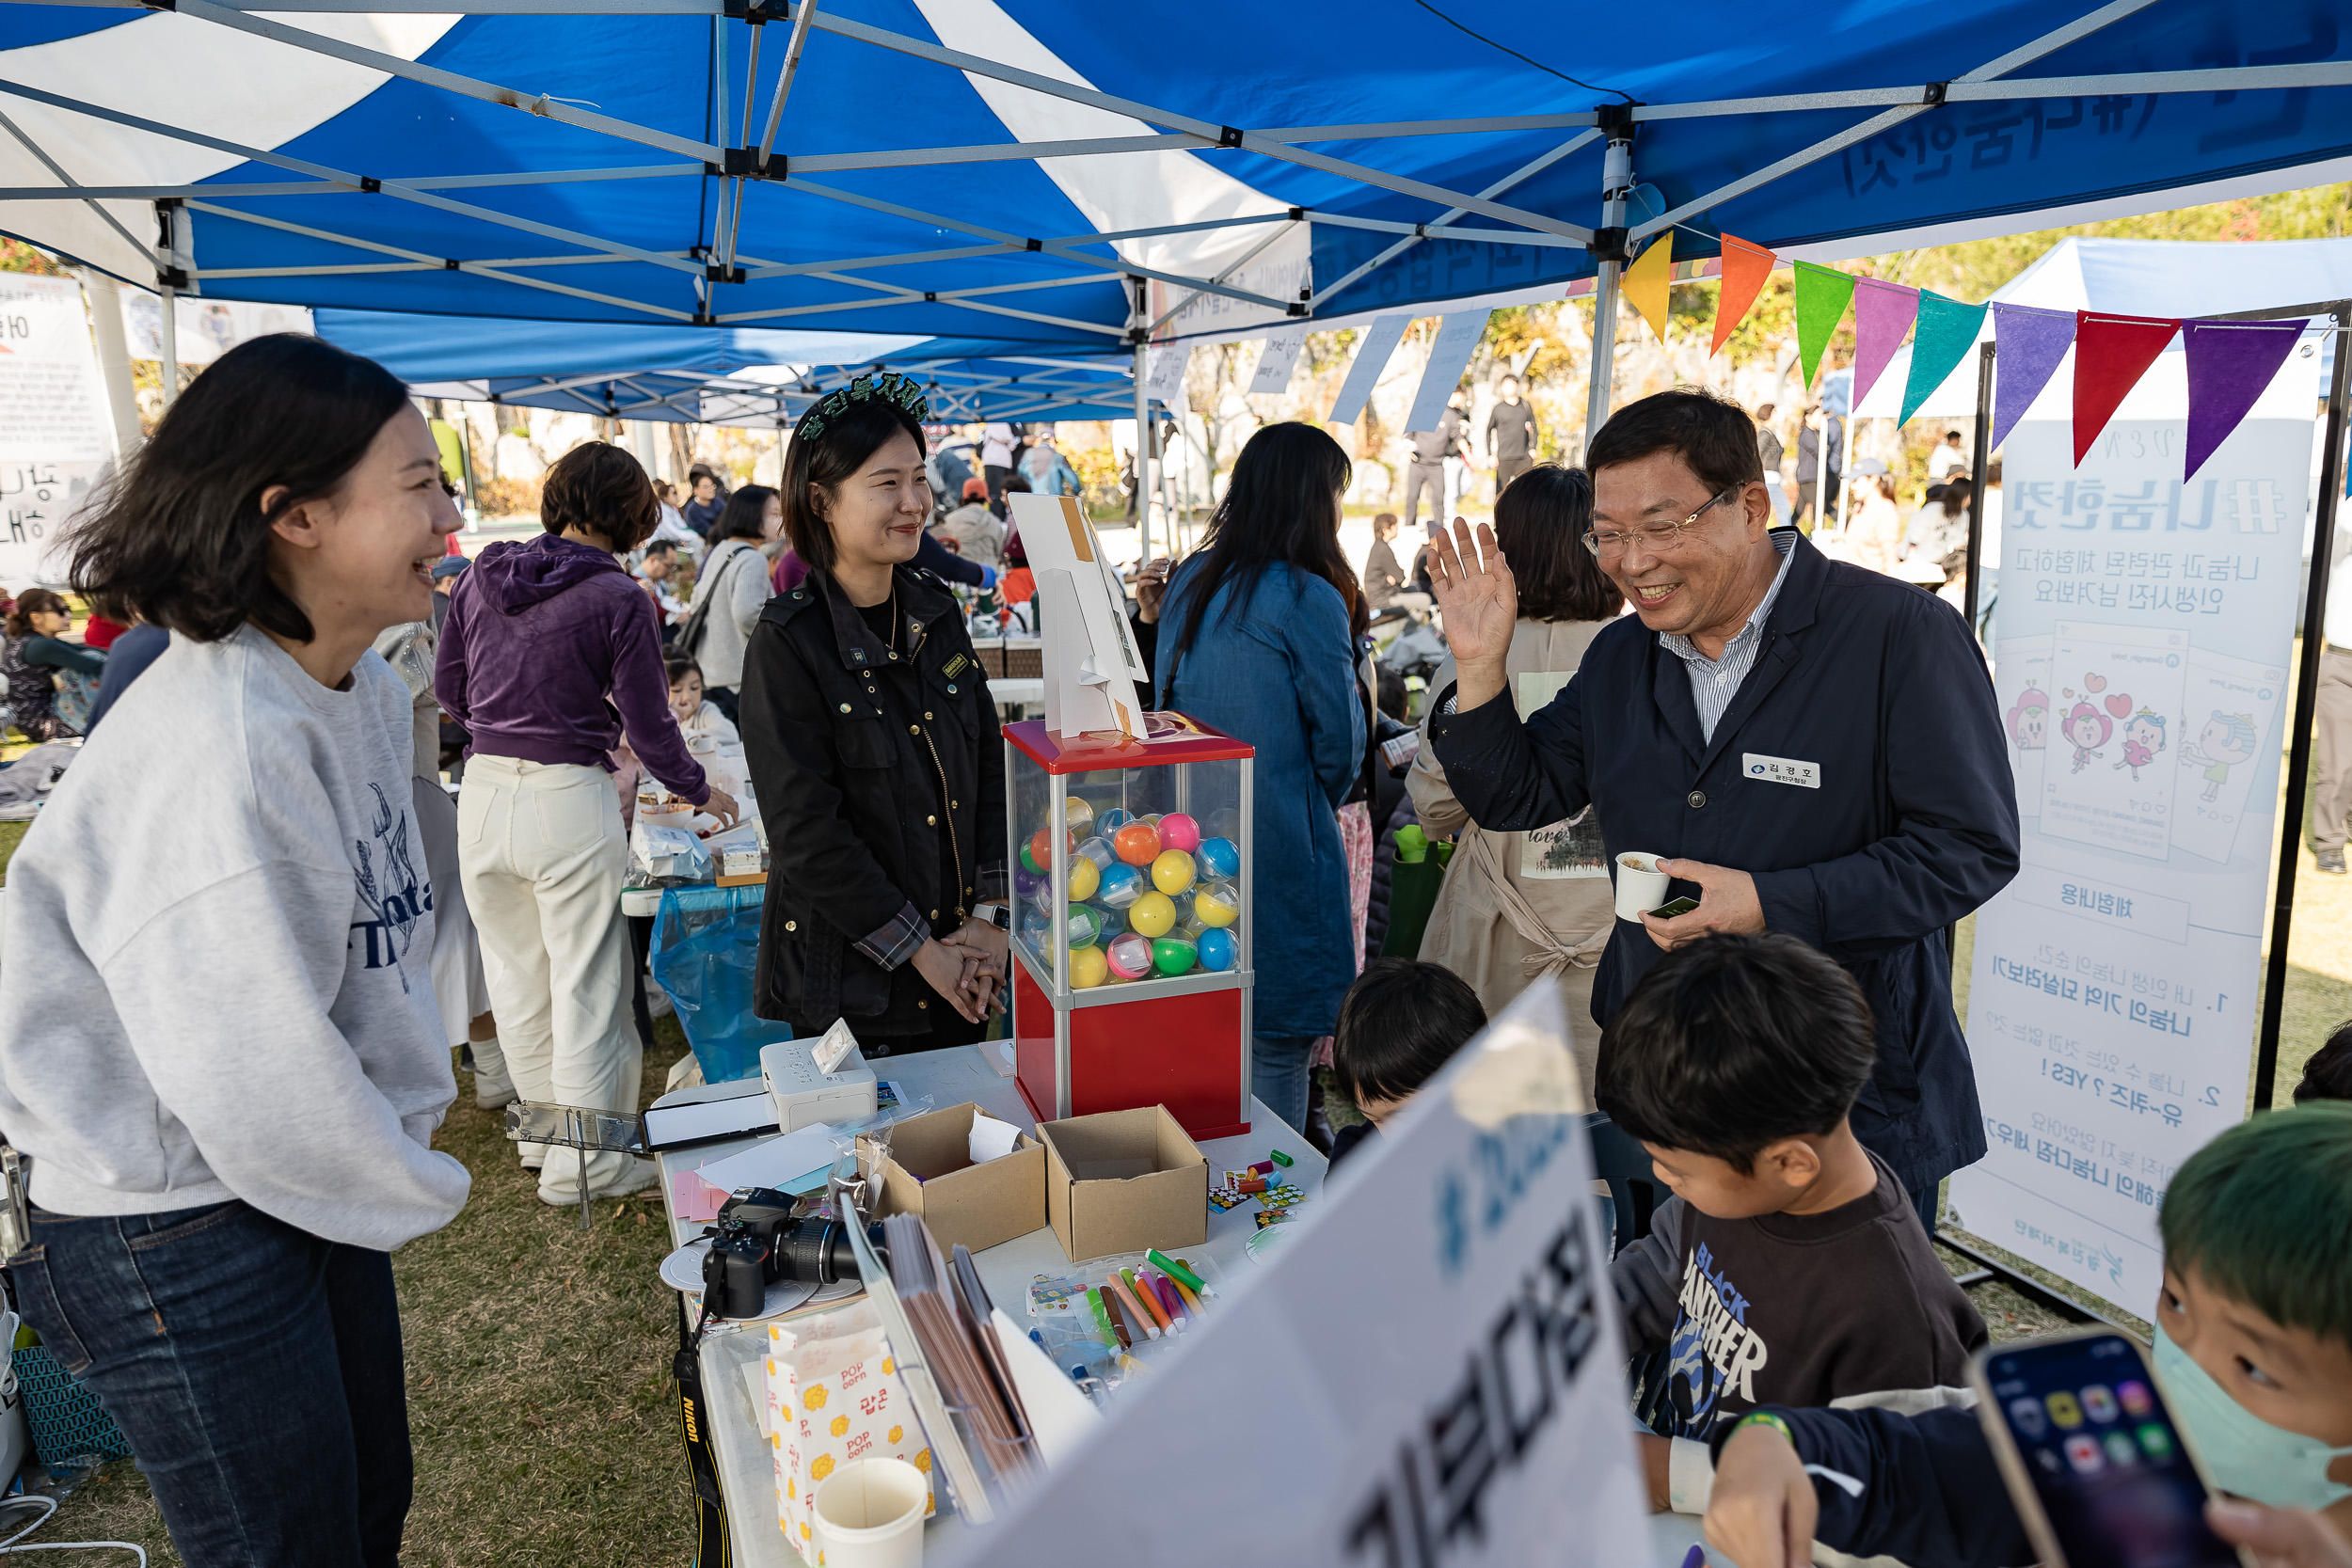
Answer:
x=1004 y=170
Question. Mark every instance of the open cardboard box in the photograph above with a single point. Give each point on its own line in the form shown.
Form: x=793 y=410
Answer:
x=1124 y=1180
x=926 y=1170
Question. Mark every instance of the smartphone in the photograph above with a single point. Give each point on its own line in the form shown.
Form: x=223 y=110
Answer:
x=1683 y=904
x=2098 y=1469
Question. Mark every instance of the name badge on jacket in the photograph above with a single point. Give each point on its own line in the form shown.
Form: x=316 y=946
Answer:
x=1784 y=771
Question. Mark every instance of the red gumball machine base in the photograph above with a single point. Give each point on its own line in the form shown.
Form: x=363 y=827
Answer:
x=1188 y=1052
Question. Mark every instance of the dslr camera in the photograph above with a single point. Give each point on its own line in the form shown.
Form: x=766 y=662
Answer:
x=762 y=1235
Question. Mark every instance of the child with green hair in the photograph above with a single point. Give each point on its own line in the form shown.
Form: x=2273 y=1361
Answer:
x=2253 y=1347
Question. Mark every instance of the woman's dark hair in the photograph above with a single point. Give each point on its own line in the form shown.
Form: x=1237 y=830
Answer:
x=838 y=449
x=678 y=666
x=1540 y=521
x=701 y=471
x=1709 y=432
x=1733 y=1042
x=1399 y=1022
x=180 y=538
x=2326 y=1076
x=29 y=603
x=1281 y=508
x=1955 y=495
x=599 y=488
x=745 y=517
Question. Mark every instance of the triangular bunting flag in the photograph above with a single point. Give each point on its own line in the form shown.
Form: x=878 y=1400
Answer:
x=1646 y=281
x=2028 y=344
x=1882 y=312
x=1745 y=268
x=2111 y=353
x=2229 y=365
x=1948 y=330
x=1822 y=294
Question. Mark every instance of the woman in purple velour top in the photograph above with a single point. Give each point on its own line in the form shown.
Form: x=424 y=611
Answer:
x=551 y=652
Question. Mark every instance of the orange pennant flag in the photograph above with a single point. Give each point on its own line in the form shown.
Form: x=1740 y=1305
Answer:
x=1648 y=280
x=1745 y=268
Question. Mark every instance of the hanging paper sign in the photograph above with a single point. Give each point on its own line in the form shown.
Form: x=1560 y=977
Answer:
x=1947 y=331
x=54 y=437
x=2028 y=344
x=1373 y=351
x=1470 y=1411
x=2229 y=365
x=2111 y=353
x=1449 y=355
x=1882 y=312
x=1281 y=356
x=204 y=328
x=1649 y=280
x=2141 y=656
x=1822 y=294
x=1745 y=268
x=1164 y=372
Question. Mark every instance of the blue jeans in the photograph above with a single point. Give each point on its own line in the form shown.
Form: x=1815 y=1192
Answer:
x=255 y=1367
x=1277 y=1075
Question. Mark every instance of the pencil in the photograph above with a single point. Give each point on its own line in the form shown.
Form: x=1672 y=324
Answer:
x=1151 y=1302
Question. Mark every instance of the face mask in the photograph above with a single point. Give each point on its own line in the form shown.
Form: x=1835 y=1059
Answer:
x=2243 y=1453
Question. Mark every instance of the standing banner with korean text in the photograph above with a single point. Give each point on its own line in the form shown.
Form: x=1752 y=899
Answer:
x=1459 y=1401
x=54 y=437
x=2141 y=648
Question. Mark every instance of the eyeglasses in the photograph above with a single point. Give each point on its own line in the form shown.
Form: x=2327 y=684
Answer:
x=1657 y=536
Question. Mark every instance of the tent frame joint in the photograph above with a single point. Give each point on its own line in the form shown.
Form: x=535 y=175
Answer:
x=713 y=272
x=1932 y=94
x=1610 y=244
x=747 y=163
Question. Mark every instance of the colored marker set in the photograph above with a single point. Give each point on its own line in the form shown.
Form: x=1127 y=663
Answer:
x=1156 y=1299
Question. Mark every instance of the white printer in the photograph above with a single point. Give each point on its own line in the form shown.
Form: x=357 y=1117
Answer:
x=818 y=1081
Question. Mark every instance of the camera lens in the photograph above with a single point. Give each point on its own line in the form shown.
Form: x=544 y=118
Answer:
x=806 y=1252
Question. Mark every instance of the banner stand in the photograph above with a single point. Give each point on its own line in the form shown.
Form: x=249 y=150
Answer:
x=2332 y=482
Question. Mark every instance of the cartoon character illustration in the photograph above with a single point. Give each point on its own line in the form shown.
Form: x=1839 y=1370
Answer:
x=2143 y=737
x=2029 y=720
x=2227 y=739
x=2089 y=729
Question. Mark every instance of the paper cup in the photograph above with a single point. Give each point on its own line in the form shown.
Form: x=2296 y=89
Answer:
x=1640 y=886
x=869 y=1514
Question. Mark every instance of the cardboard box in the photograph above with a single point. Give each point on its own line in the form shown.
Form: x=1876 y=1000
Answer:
x=1124 y=1180
x=928 y=1172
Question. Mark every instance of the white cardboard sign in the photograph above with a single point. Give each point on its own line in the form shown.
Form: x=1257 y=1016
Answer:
x=1093 y=665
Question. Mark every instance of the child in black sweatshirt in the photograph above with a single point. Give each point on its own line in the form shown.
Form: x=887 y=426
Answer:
x=1790 y=1267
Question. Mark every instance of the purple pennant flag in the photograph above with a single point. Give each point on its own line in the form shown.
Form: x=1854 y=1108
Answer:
x=2027 y=345
x=2229 y=365
x=1883 y=313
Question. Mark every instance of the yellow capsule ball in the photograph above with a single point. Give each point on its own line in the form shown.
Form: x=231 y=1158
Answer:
x=1172 y=872
x=1084 y=878
x=1219 y=904
x=1152 y=915
x=1088 y=967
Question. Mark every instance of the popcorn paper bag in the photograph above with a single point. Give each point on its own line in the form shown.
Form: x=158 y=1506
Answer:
x=834 y=1395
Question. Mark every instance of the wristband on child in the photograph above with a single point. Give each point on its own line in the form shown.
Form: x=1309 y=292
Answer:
x=1765 y=1418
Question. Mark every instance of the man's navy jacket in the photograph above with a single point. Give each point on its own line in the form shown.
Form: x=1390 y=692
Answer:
x=1914 y=822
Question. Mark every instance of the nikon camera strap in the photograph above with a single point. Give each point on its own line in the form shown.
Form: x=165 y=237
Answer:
x=711 y=1547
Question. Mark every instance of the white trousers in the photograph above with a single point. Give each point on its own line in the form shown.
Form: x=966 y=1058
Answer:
x=541 y=854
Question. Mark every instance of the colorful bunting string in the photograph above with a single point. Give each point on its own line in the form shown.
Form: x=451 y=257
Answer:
x=2029 y=344
x=1645 y=283
x=1948 y=330
x=1883 y=313
x=2111 y=353
x=2229 y=365
x=1745 y=268
x=1823 y=296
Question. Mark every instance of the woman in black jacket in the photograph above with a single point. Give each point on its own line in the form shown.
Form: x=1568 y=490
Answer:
x=874 y=751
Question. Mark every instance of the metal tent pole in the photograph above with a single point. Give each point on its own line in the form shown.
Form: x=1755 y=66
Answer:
x=167 y=269
x=1143 y=426
x=114 y=359
x=1979 y=460
x=2306 y=706
x=1609 y=245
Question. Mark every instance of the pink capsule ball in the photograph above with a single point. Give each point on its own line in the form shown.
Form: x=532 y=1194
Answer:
x=1129 y=956
x=1179 y=832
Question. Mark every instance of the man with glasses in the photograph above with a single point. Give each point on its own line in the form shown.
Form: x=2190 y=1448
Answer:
x=1814 y=747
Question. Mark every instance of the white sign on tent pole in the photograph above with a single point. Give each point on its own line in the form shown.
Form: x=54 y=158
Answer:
x=1093 y=665
x=1456 y=340
x=1373 y=352
x=54 y=437
x=1274 y=364
x=2143 y=639
x=1431 y=1364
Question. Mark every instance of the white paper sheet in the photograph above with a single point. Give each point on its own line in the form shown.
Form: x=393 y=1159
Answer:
x=773 y=1161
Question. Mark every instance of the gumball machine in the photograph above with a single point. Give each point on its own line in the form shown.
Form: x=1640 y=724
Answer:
x=1131 y=977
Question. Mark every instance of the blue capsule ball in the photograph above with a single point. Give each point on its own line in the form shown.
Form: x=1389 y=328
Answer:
x=1219 y=859
x=1107 y=823
x=1121 y=886
x=1217 y=948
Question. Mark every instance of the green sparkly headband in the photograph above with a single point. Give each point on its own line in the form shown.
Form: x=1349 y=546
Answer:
x=901 y=390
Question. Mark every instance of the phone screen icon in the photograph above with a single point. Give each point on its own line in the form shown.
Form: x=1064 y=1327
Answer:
x=2064 y=1410
x=2082 y=1451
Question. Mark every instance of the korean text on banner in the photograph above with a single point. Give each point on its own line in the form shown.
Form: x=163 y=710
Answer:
x=55 y=439
x=2141 y=661
x=1471 y=1409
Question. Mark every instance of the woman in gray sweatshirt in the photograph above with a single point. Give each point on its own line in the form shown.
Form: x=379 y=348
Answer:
x=219 y=1049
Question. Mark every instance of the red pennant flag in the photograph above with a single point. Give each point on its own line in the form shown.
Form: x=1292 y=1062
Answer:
x=2111 y=353
x=1745 y=268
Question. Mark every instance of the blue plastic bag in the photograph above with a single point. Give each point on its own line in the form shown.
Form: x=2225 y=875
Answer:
x=705 y=947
